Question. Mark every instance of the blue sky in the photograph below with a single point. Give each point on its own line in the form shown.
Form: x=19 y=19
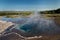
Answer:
x=29 y=5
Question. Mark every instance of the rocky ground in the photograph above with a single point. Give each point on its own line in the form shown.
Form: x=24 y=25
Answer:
x=4 y=25
x=14 y=36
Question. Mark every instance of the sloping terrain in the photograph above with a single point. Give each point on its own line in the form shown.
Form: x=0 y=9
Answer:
x=4 y=25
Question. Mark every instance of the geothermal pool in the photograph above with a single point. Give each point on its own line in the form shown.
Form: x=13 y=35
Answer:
x=34 y=25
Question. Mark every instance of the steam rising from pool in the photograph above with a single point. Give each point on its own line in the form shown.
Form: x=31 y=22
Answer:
x=37 y=25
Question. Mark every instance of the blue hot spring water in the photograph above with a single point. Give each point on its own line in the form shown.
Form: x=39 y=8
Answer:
x=36 y=24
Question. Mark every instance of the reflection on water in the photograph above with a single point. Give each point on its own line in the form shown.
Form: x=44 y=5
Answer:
x=14 y=20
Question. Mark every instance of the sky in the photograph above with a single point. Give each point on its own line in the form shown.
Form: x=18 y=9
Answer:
x=29 y=5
